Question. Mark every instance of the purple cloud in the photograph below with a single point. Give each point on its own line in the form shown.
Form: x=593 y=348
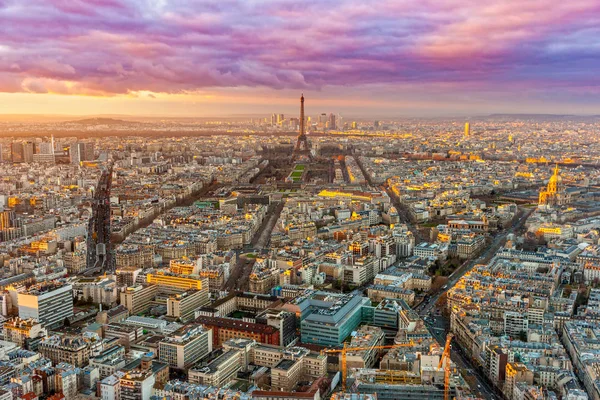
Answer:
x=107 y=47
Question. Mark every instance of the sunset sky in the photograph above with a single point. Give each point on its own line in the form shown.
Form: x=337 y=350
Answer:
x=364 y=58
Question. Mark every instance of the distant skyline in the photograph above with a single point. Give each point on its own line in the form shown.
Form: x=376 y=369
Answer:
x=360 y=59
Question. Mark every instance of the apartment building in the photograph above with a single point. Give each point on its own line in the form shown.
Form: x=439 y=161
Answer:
x=186 y=346
x=127 y=334
x=65 y=348
x=229 y=328
x=137 y=385
x=183 y=305
x=49 y=303
x=26 y=333
x=286 y=374
x=137 y=299
x=218 y=372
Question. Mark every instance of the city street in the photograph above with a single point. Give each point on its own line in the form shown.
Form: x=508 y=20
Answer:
x=438 y=325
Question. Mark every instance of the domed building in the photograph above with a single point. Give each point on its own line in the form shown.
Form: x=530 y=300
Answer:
x=555 y=194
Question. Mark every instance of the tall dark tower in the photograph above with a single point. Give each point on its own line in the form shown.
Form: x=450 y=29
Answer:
x=302 y=132
x=302 y=148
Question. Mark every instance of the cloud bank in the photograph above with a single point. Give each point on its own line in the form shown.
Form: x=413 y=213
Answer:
x=113 y=47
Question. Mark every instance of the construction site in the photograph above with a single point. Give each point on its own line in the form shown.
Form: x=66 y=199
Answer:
x=436 y=377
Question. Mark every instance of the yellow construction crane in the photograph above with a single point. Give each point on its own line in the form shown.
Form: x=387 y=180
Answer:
x=446 y=356
x=346 y=349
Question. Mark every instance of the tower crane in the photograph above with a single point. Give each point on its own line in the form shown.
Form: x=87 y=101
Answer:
x=446 y=357
x=343 y=351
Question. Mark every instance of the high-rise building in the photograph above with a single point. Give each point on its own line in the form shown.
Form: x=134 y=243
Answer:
x=28 y=151
x=88 y=152
x=16 y=152
x=280 y=118
x=273 y=119
x=7 y=219
x=49 y=303
x=45 y=148
x=467 y=129
x=81 y=152
x=294 y=123
x=76 y=152
x=332 y=124
x=44 y=152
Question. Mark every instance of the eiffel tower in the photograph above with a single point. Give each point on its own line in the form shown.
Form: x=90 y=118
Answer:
x=302 y=148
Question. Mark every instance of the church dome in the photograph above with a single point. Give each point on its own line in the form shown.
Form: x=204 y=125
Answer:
x=555 y=179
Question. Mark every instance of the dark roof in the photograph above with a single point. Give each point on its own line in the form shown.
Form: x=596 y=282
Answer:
x=285 y=364
x=233 y=323
x=116 y=310
x=280 y=395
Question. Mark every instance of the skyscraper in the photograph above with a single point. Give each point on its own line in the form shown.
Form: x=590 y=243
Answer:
x=7 y=219
x=16 y=152
x=467 y=129
x=88 y=152
x=75 y=151
x=81 y=152
x=332 y=124
x=28 y=152
x=45 y=148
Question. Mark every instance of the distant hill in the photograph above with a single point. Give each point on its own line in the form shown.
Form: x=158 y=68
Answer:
x=542 y=117
x=102 y=121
